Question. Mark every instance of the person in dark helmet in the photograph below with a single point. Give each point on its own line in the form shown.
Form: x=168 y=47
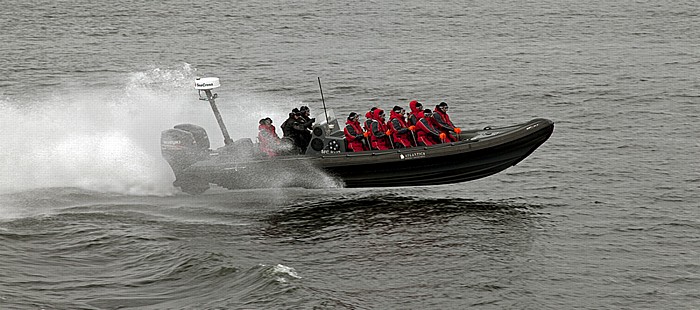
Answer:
x=354 y=134
x=286 y=125
x=293 y=129
x=401 y=135
x=426 y=134
x=308 y=123
x=369 y=117
x=306 y=116
x=379 y=134
x=416 y=112
x=367 y=126
x=268 y=138
x=442 y=122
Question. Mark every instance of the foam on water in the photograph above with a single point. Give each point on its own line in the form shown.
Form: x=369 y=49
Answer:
x=283 y=272
x=108 y=139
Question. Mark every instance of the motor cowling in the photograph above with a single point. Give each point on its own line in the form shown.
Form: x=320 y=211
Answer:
x=198 y=133
x=181 y=147
x=184 y=145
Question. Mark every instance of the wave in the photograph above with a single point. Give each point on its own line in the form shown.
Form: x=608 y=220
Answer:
x=101 y=250
x=86 y=259
x=142 y=276
x=334 y=217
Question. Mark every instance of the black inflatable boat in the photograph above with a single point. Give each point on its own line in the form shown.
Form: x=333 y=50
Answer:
x=240 y=164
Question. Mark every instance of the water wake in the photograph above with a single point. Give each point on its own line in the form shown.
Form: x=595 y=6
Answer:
x=108 y=139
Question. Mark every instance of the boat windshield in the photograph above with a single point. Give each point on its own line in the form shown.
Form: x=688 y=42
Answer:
x=332 y=122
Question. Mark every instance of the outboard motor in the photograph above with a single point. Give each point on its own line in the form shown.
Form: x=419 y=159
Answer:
x=186 y=143
x=181 y=147
x=200 y=135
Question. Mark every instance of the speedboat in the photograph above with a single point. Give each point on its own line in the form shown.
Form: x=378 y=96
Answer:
x=240 y=164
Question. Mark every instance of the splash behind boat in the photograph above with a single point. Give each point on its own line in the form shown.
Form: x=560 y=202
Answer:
x=240 y=164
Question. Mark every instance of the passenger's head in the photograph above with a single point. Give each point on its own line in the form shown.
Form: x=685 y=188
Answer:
x=378 y=114
x=295 y=113
x=353 y=116
x=427 y=112
x=304 y=110
x=269 y=120
x=262 y=121
x=415 y=106
x=370 y=114
x=398 y=110
x=442 y=106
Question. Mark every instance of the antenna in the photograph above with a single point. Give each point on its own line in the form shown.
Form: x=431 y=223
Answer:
x=324 y=101
x=207 y=84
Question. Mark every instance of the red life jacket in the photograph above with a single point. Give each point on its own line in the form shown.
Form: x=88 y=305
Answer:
x=368 y=115
x=399 y=130
x=445 y=118
x=377 y=132
x=445 y=126
x=354 y=136
x=426 y=133
x=269 y=140
x=416 y=113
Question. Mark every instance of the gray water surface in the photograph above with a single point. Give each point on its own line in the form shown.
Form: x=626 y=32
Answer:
x=604 y=215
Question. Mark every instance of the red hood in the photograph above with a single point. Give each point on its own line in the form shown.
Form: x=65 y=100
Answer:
x=270 y=128
x=415 y=111
x=375 y=114
x=413 y=105
x=396 y=115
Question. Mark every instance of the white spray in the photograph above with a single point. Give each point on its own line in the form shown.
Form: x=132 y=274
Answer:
x=109 y=139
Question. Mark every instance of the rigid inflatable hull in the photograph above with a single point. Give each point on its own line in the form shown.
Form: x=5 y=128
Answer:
x=445 y=163
x=479 y=154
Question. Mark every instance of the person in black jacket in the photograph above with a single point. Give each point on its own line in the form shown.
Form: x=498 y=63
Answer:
x=308 y=123
x=293 y=128
x=306 y=117
x=441 y=121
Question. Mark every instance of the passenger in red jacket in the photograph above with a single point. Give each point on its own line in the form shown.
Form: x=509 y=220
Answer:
x=267 y=135
x=378 y=132
x=427 y=134
x=441 y=121
x=366 y=126
x=401 y=135
x=369 y=117
x=354 y=134
x=416 y=112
